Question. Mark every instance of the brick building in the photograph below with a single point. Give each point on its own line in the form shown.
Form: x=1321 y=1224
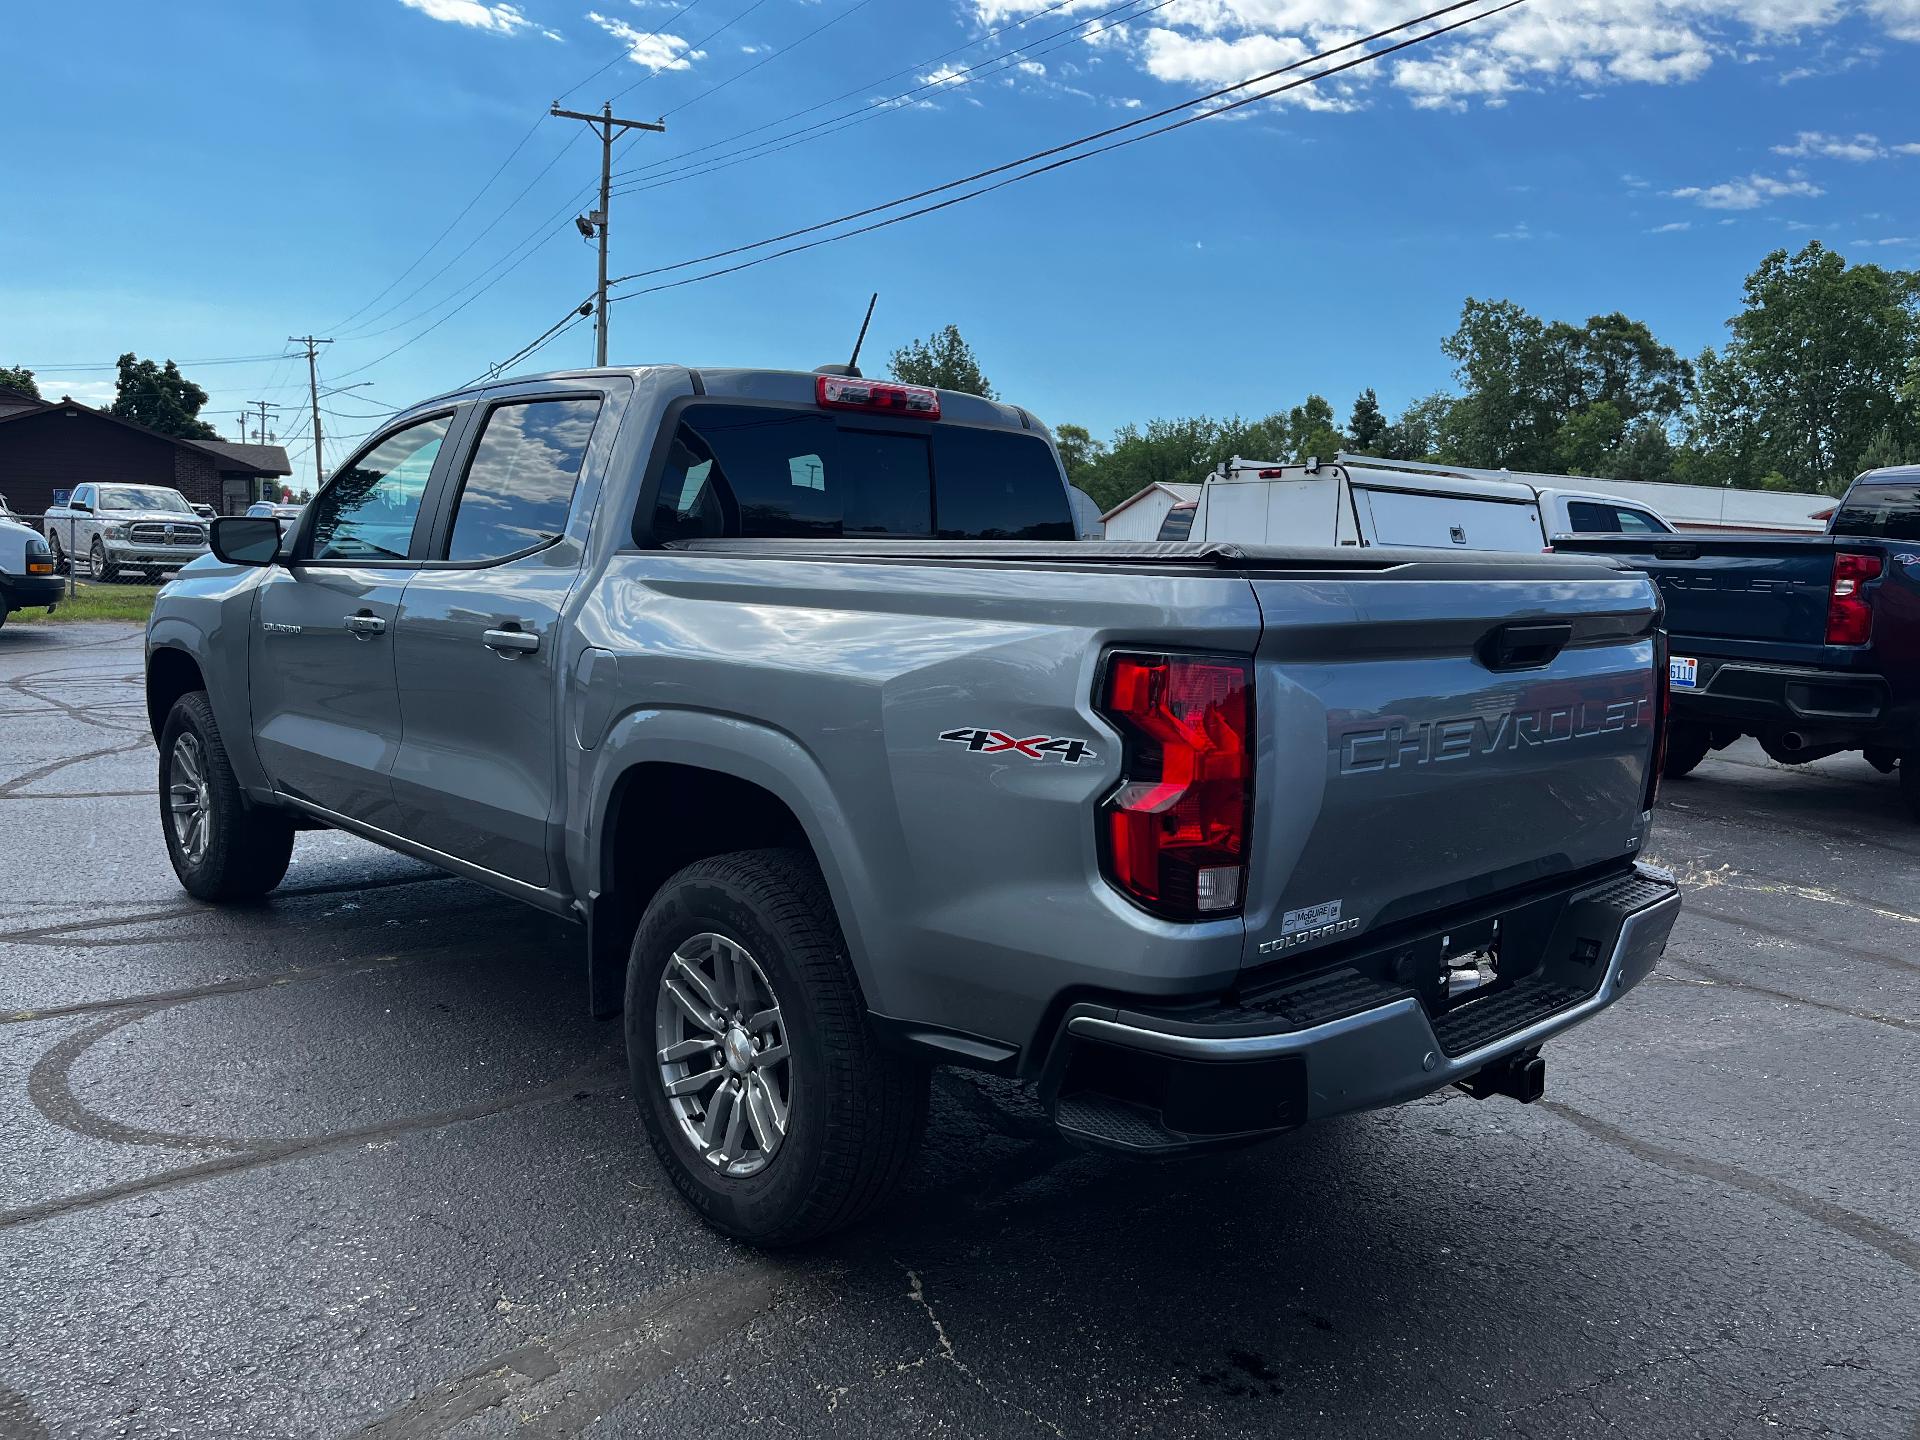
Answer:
x=48 y=446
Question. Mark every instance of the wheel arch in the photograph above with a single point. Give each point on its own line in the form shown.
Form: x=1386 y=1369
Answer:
x=672 y=787
x=171 y=673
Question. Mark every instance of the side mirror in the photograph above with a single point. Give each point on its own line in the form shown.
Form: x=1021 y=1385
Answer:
x=82 y=506
x=245 y=539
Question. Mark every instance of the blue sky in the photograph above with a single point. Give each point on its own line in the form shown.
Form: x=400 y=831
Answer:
x=202 y=180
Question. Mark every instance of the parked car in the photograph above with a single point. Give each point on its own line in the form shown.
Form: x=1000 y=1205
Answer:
x=274 y=510
x=124 y=528
x=847 y=773
x=27 y=578
x=1811 y=644
x=1260 y=502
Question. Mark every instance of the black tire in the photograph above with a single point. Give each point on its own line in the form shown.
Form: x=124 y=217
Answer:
x=246 y=848
x=1687 y=745
x=855 y=1111
x=1910 y=780
x=98 y=566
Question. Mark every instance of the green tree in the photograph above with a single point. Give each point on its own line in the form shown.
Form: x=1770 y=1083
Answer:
x=1884 y=449
x=1501 y=357
x=943 y=359
x=1822 y=350
x=1367 y=427
x=1587 y=437
x=18 y=377
x=1416 y=434
x=1311 y=431
x=160 y=398
x=1080 y=453
x=1645 y=452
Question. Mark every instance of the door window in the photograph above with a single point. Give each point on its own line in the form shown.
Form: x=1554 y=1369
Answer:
x=1588 y=518
x=520 y=483
x=368 y=510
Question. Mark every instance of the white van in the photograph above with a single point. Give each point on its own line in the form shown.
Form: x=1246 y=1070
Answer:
x=1253 y=502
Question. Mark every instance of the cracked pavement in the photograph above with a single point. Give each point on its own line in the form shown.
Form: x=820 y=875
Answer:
x=355 y=1162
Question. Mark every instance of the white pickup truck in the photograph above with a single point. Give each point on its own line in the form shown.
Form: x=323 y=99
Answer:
x=1263 y=502
x=122 y=528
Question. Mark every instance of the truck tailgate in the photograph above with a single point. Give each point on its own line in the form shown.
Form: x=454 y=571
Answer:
x=1426 y=740
x=1733 y=587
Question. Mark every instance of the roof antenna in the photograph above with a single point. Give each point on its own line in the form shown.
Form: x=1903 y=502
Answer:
x=853 y=361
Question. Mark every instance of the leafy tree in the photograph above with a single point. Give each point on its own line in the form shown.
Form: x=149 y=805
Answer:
x=1884 y=449
x=1645 y=452
x=1080 y=453
x=1311 y=432
x=160 y=398
x=18 y=377
x=942 y=359
x=1501 y=356
x=1587 y=438
x=1822 y=350
x=1416 y=434
x=1367 y=426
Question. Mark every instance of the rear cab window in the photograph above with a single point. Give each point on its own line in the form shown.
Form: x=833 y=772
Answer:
x=1881 y=512
x=761 y=471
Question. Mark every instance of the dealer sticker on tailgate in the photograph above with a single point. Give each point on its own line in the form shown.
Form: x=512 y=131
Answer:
x=1682 y=673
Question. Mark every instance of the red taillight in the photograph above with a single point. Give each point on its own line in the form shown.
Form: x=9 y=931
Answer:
x=1662 y=714
x=1849 y=612
x=1272 y=474
x=883 y=397
x=1174 y=834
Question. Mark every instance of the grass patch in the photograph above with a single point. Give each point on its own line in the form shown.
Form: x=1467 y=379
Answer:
x=94 y=601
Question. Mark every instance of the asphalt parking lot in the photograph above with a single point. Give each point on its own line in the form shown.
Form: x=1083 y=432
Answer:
x=355 y=1162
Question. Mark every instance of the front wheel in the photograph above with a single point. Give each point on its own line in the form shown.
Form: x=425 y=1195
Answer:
x=764 y=1092
x=98 y=566
x=222 y=848
x=1687 y=745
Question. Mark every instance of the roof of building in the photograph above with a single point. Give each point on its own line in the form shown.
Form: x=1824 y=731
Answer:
x=256 y=459
x=226 y=455
x=1181 y=495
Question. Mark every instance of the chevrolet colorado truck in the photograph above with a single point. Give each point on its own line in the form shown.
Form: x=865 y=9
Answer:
x=124 y=528
x=798 y=692
x=1810 y=643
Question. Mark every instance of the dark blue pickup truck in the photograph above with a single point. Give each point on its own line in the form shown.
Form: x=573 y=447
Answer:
x=1811 y=644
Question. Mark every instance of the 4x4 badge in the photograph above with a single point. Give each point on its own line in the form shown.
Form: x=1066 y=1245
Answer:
x=1034 y=747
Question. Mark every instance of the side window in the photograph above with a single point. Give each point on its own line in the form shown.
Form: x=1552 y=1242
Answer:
x=520 y=482
x=1638 y=522
x=82 y=495
x=1587 y=517
x=368 y=510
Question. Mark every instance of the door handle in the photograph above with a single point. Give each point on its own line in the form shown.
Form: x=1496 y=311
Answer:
x=512 y=642
x=366 y=626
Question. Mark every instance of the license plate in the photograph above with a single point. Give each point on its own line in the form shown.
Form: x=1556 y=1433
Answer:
x=1682 y=673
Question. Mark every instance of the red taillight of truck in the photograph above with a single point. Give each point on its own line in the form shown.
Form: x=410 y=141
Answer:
x=1849 y=607
x=1174 y=832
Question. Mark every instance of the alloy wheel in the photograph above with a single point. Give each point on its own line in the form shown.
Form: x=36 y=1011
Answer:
x=723 y=1056
x=189 y=799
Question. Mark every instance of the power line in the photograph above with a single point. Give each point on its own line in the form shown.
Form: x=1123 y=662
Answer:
x=565 y=322
x=626 y=51
x=890 y=105
x=858 y=89
x=769 y=59
x=691 y=47
x=1362 y=59
x=115 y=364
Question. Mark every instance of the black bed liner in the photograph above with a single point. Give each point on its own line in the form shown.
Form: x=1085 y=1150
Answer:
x=1202 y=555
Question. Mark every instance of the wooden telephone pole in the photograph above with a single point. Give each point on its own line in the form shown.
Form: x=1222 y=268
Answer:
x=603 y=125
x=313 y=392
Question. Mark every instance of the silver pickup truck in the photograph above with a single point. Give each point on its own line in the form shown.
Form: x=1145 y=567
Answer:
x=120 y=529
x=798 y=693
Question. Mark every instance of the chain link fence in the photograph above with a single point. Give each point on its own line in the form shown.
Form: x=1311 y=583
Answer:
x=97 y=551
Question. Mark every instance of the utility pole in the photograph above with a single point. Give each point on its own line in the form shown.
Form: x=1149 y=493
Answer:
x=603 y=125
x=313 y=393
x=261 y=433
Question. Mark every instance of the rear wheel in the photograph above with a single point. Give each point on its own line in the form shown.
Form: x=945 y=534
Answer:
x=1687 y=745
x=222 y=848
x=765 y=1095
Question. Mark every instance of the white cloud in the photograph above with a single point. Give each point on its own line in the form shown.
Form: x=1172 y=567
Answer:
x=501 y=18
x=1030 y=67
x=1672 y=227
x=1749 y=193
x=551 y=35
x=1834 y=147
x=754 y=49
x=1518 y=232
x=648 y=47
x=1586 y=45
x=946 y=75
x=1907 y=149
